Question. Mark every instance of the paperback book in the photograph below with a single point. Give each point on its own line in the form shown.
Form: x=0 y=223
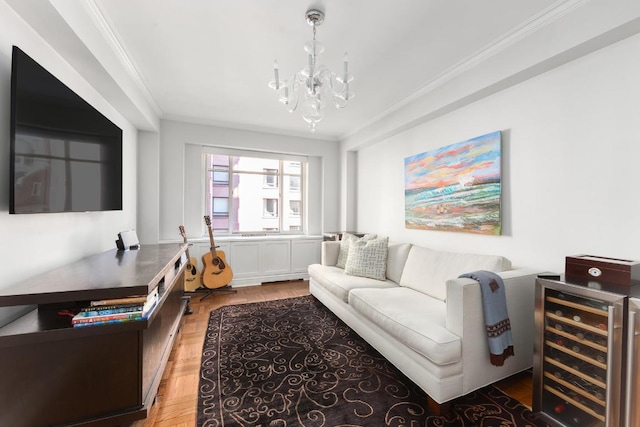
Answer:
x=110 y=309
x=133 y=315
x=140 y=299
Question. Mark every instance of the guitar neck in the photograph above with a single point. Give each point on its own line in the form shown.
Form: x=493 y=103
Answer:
x=184 y=239
x=212 y=242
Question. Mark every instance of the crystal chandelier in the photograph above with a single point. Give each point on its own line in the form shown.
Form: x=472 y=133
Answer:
x=314 y=83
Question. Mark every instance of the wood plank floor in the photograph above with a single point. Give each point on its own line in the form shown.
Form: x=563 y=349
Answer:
x=177 y=398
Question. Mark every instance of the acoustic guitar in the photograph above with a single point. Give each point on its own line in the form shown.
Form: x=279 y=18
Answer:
x=216 y=273
x=191 y=273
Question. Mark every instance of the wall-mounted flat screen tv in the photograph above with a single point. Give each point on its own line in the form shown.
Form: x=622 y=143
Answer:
x=65 y=155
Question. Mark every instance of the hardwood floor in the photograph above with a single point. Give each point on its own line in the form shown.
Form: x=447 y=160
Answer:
x=177 y=397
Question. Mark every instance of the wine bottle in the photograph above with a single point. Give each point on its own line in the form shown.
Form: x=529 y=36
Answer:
x=559 y=408
x=591 y=337
x=600 y=305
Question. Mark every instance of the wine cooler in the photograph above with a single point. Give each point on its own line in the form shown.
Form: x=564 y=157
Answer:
x=579 y=355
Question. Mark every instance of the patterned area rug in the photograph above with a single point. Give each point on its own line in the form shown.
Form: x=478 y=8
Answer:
x=292 y=362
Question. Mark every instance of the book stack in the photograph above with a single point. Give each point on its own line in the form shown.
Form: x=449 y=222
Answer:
x=116 y=310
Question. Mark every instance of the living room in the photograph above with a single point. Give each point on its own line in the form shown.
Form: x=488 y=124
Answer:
x=563 y=98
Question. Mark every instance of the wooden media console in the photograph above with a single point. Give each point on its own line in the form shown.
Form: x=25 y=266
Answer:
x=101 y=375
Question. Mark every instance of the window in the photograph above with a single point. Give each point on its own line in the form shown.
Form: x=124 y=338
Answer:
x=256 y=192
x=220 y=169
x=294 y=183
x=271 y=178
x=220 y=177
x=220 y=206
x=270 y=207
x=294 y=207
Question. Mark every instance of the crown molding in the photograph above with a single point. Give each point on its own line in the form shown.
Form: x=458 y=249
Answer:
x=103 y=25
x=524 y=30
x=249 y=127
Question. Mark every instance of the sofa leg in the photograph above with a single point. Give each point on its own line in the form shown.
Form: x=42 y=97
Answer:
x=439 y=409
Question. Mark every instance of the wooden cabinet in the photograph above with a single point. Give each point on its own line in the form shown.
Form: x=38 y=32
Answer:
x=256 y=260
x=104 y=375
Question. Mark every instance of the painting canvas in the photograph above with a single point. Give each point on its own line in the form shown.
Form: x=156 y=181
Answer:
x=456 y=188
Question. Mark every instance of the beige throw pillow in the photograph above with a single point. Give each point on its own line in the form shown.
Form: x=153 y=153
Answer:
x=368 y=258
x=347 y=238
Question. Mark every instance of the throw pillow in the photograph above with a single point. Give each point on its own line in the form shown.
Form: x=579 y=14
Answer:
x=346 y=241
x=368 y=258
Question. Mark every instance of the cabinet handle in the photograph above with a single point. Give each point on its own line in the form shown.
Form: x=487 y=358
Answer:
x=631 y=341
x=609 y=364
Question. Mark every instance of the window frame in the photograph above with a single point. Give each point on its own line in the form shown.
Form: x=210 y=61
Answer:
x=283 y=215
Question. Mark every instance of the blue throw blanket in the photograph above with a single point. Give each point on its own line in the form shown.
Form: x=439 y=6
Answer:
x=496 y=318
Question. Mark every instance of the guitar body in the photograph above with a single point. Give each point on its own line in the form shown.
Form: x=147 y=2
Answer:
x=191 y=274
x=212 y=275
x=216 y=273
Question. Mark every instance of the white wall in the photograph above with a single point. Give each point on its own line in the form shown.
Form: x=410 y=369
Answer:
x=180 y=199
x=35 y=243
x=148 y=186
x=571 y=146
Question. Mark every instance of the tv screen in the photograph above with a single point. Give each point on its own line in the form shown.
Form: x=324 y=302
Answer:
x=65 y=155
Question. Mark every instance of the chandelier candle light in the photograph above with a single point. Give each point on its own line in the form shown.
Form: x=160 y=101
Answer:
x=315 y=82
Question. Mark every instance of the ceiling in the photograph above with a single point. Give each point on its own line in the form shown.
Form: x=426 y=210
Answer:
x=209 y=61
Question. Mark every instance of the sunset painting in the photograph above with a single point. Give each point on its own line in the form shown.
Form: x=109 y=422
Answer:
x=455 y=188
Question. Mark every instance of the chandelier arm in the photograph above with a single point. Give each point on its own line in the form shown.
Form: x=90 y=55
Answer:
x=334 y=92
x=292 y=103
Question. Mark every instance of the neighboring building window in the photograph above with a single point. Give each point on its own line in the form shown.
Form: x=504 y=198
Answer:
x=271 y=178
x=220 y=206
x=294 y=183
x=294 y=207
x=244 y=194
x=221 y=176
x=270 y=207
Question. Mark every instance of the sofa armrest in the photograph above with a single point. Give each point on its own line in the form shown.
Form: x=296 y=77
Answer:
x=466 y=319
x=330 y=251
x=464 y=301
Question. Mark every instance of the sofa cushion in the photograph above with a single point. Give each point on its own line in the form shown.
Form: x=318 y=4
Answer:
x=428 y=270
x=414 y=319
x=368 y=258
x=345 y=243
x=396 y=258
x=335 y=281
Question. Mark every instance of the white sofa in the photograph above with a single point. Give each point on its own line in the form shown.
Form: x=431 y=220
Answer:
x=425 y=320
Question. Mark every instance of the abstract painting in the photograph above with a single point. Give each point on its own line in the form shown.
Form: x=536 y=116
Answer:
x=455 y=188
